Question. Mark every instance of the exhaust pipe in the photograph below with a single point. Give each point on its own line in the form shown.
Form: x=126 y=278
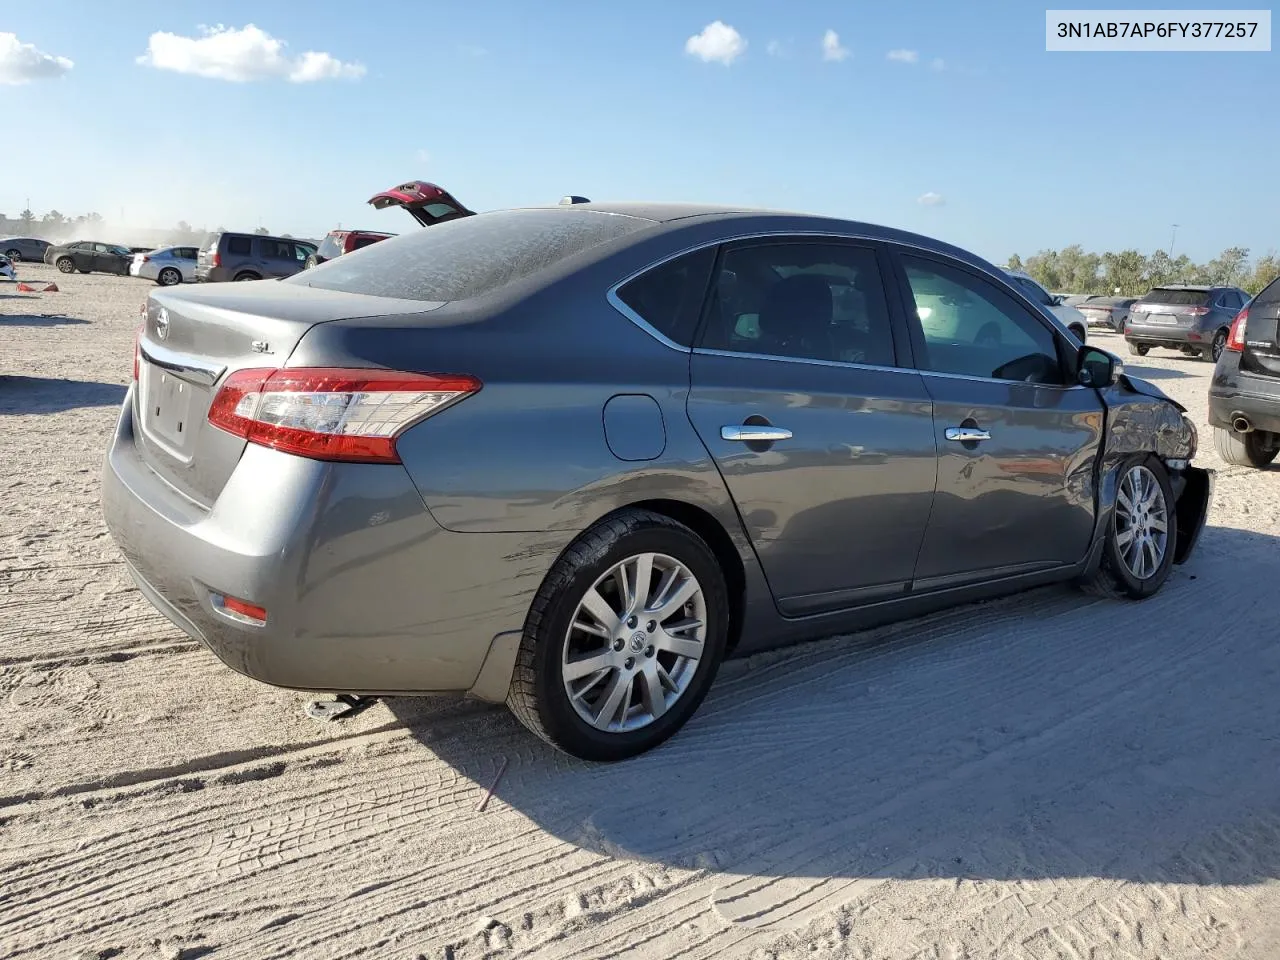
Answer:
x=1241 y=424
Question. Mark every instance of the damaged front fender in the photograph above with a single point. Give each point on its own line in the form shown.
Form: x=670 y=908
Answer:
x=1141 y=418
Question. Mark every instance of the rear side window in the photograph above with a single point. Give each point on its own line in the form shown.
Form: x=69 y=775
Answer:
x=669 y=297
x=364 y=242
x=1177 y=298
x=471 y=256
x=240 y=246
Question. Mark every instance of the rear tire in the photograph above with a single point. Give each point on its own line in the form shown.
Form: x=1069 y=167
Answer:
x=1219 y=344
x=1243 y=449
x=1138 y=349
x=1121 y=574
x=247 y=275
x=65 y=265
x=169 y=277
x=637 y=656
x=14 y=255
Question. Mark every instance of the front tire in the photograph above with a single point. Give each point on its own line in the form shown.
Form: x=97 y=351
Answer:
x=1142 y=535
x=14 y=255
x=66 y=265
x=623 y=639
x=1138 y=349
x=1243 y=449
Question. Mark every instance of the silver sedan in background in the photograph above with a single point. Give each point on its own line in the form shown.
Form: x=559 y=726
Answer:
x=167 y=266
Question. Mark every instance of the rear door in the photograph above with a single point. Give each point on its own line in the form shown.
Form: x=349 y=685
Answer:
x=278 y=258
x=824 y=436
x=1017 y=438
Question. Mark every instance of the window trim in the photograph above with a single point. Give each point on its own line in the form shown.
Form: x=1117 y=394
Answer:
x=1064 y=346
x=887 y=250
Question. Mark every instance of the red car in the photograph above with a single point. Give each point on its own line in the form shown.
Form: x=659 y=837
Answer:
x=338 y=242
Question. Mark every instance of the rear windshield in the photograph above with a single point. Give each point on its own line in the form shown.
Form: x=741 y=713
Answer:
x=469 y=257
x=1178 y=298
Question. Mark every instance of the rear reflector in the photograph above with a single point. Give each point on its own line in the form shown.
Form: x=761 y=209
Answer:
x=1235 y=340
x=328 y=413
x=238 y=609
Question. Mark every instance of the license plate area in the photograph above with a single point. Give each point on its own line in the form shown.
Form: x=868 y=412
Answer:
x=169 y=405
x=1165 y=319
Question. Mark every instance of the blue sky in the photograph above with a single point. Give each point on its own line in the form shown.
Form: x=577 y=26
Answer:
x=506 y=104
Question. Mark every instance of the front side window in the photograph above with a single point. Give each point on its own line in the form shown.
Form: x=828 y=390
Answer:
x=970 y=327
x=802 y=300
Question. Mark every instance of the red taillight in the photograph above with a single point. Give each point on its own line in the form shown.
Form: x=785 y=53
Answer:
x=330 y=413
x=145 y=258
x=216 y=259
x=1197 y=311
x=1235 y=340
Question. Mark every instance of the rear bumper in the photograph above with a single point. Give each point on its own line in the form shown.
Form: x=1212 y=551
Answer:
x=364 y=591
x=212 y=274
x=1262 y=411
x=1162 y=335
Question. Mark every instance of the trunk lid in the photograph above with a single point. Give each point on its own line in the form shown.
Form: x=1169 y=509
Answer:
x=193 y=337
x=1261 y=353
x=425 y=202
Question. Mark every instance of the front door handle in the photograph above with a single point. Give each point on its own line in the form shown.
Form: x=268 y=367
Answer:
x=750 y=433
x=967 y=434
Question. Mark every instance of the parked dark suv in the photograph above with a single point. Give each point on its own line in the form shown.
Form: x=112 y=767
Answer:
x=338 y=242
x=251 y=256
x=1193 y=319
x=1244 y=398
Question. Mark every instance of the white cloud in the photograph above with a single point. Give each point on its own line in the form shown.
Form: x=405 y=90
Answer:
x=938 y=64
x=21 y=62
x=904 y=56
x=831 y=49
x=931 y=199
x=776 y=48
x=225 y=53
x=717 y=42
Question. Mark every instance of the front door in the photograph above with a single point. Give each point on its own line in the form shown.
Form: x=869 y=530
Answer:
x=824 y=442
x=1017 y=437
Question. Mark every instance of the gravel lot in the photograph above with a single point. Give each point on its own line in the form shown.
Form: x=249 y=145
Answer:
x=1042 y=777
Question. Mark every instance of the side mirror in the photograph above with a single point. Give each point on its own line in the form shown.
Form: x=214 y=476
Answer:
x=1097 y=368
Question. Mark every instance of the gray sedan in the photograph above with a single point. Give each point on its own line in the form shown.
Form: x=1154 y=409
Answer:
x=570 y=458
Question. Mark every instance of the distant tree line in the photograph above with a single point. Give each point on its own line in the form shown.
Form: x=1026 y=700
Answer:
x=1130 y=273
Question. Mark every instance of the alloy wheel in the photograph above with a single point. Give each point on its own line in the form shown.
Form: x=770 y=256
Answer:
x=1142 y=522
x=634 y=643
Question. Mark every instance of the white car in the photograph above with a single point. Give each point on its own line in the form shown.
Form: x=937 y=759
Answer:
x=1070 y=317
x=6 y=269
x=167 y=266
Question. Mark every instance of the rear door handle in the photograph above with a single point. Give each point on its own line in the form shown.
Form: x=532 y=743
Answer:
x=967 y=434
x=748 y=433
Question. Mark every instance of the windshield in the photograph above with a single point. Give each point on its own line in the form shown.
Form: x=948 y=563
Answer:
x=469 y=257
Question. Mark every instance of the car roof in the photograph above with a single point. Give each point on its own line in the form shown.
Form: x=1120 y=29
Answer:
x=1186 y=286
x=671 y=216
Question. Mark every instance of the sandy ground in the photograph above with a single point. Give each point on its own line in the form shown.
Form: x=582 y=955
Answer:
x=1043 y=777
